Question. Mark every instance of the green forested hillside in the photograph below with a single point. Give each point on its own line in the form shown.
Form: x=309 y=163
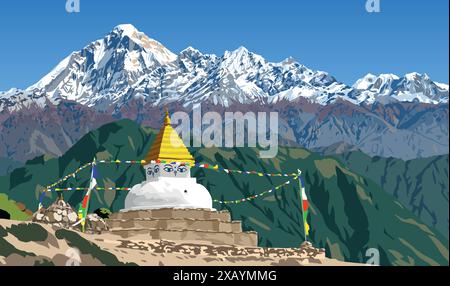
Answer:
x=14 y=210
x=349 y=213
x=421 y=185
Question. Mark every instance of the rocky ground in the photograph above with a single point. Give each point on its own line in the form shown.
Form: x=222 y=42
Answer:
x=26 y=243
x=170 y=253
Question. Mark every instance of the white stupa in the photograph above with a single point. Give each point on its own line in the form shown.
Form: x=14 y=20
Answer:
x=168 y=181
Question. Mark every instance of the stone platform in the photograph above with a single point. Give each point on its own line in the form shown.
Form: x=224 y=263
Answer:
x=200 y=225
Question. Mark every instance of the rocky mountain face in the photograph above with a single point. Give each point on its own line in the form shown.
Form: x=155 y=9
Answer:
x=51 y=130
x=129 y=75
x=400 y=130
x=346 y=206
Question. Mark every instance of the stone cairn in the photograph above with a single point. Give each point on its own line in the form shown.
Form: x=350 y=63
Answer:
x=61 y=215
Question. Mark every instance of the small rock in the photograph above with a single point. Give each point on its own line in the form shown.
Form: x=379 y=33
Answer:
x=72 y=217
x=57 y=217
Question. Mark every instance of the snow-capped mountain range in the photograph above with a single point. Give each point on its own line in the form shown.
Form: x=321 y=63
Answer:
x=127 y=75
x=127 y=64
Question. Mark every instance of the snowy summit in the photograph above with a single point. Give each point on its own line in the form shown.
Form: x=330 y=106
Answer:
x=127 y=64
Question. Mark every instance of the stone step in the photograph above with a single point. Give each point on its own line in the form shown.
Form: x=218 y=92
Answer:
x=174 y=214
x=249 y=239
x=176 y=224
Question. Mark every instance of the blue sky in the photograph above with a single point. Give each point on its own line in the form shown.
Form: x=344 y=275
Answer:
x=339 y=37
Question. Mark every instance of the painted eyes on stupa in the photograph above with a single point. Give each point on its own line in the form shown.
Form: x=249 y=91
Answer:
x=168 y=168
x=182 y=169
x=156 y=170
x=150 y=171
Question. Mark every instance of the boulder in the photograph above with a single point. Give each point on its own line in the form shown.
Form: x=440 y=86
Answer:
x=72 y=217
x=57 y=217
x=95 y=224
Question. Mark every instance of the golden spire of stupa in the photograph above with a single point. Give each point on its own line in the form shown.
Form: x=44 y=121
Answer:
x=168 y=146
x=167 y=117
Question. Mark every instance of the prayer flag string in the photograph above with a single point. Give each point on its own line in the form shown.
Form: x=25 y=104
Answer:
x=85 y=189
x=253 y=197
x=51 y=188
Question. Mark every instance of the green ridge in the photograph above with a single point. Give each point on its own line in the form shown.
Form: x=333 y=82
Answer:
x=349 y=213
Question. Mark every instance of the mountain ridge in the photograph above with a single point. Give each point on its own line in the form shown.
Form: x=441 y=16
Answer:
x=126 y=64
x=400 y=130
